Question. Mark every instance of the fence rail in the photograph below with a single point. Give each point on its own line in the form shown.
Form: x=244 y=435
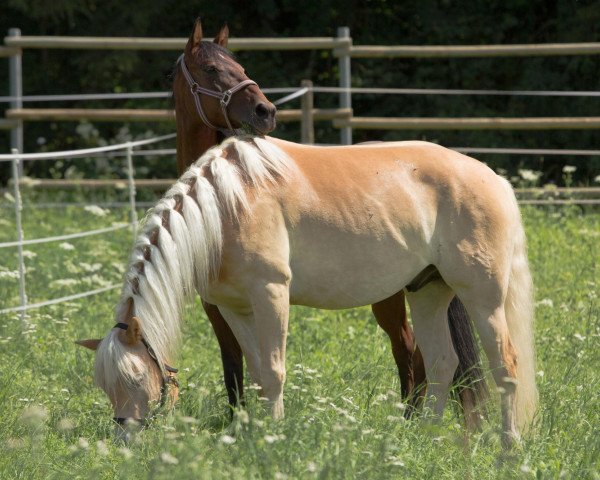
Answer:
x=148 y=115
x=446 y=51
x=484 y=123
x=176 y=44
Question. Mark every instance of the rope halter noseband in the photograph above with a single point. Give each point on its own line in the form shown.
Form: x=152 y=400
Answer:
x=168 y=378
x=223 y=97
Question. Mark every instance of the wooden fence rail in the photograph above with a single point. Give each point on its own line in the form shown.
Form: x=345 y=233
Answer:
x=342 y=47
x=177 y=44
x=446 y=51
x=148 y=115
x=492 y=123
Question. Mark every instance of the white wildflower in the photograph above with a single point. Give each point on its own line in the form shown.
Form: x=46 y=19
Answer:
x=545 y=302
x=65 y=424
x=66 y=246
x=190 y=420
x=311 y=467
x=396 y=462
x=29 y=254
x=168 y=458
x=597 y=179
x=274 y=438
x=83 y=443
x=96 y=210
x=125 y=452
x=529 y=175
x=101 y=448
x=227 y=439
x=9 y=274
x=34 y=416
x=242 y=416
x=63 y=282
x=579 y=337
x=569 y=169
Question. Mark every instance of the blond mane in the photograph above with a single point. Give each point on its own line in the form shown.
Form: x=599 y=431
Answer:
x=179 y=248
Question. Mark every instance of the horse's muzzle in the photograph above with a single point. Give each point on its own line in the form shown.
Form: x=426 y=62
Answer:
x=263 y=118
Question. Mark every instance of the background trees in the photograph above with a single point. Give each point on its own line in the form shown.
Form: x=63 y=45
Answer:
x=370 y=22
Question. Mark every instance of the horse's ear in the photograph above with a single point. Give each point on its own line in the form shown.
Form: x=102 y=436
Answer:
x=92 y=344
x=223 y=37
x=195 y=37
x=133 y=334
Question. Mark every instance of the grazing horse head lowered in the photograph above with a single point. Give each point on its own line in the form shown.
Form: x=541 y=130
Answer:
x=140 y=382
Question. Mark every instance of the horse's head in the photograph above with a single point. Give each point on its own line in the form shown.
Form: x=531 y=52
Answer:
x=127 y=370
x=216 y=89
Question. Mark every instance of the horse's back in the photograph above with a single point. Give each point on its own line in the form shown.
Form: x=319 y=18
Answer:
x=382 y=211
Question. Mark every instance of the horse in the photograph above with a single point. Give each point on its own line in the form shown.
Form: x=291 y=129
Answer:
x=258 y=224
x=200 y=127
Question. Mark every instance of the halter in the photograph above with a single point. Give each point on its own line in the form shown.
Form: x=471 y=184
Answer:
x=166 y=378
x=224 y=97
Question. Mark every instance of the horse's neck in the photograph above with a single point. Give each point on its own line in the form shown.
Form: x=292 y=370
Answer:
x=193 y=141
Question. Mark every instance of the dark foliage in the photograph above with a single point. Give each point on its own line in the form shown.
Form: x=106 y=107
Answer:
x=371 y=22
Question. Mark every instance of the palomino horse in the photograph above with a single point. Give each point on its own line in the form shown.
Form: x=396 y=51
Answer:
x=257 y=224
x=203 y=122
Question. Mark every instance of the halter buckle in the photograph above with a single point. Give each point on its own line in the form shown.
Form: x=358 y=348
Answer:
x=226 y=98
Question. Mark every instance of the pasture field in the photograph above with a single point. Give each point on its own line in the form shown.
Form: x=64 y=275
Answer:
x=343 y=413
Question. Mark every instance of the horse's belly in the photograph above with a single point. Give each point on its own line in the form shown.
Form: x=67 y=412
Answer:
x=345 y=274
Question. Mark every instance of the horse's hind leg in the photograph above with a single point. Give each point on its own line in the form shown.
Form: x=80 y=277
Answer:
x=490 y=320
x=428 y=307
x=391 y=317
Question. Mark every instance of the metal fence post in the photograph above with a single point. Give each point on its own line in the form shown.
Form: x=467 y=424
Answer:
x=130 y=173
x=343 y=33
x=307 y=125
x=18 y=208
x=16 y=92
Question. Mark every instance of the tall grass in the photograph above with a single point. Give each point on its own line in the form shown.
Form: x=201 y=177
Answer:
x=343 y=412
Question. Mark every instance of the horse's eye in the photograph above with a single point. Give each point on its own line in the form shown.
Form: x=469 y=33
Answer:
x=210 y=69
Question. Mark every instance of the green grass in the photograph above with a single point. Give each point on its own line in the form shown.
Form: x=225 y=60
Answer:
x=343 y=418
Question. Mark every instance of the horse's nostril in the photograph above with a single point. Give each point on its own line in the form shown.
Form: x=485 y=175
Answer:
x=264 y=111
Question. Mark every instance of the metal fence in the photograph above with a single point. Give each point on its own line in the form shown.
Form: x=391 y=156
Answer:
x=16 y=158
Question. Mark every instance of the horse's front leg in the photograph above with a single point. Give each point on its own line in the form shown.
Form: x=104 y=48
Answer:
x=231 y=355
x=271 y=308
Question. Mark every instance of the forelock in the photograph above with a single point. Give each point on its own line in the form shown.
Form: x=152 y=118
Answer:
x=211 y=51
x=114 y=365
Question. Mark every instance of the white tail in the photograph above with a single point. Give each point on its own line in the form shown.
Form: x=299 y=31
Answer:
x=519 y=316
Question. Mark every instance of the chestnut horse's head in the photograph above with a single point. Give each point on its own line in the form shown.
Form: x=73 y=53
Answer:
x=128 y=371
x=210 y=86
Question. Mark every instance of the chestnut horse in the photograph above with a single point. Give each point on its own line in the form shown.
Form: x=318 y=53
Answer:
x=258 y=224
x=202 y=126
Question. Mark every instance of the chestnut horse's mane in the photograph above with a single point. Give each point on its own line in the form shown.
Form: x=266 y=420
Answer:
x=179 y=248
